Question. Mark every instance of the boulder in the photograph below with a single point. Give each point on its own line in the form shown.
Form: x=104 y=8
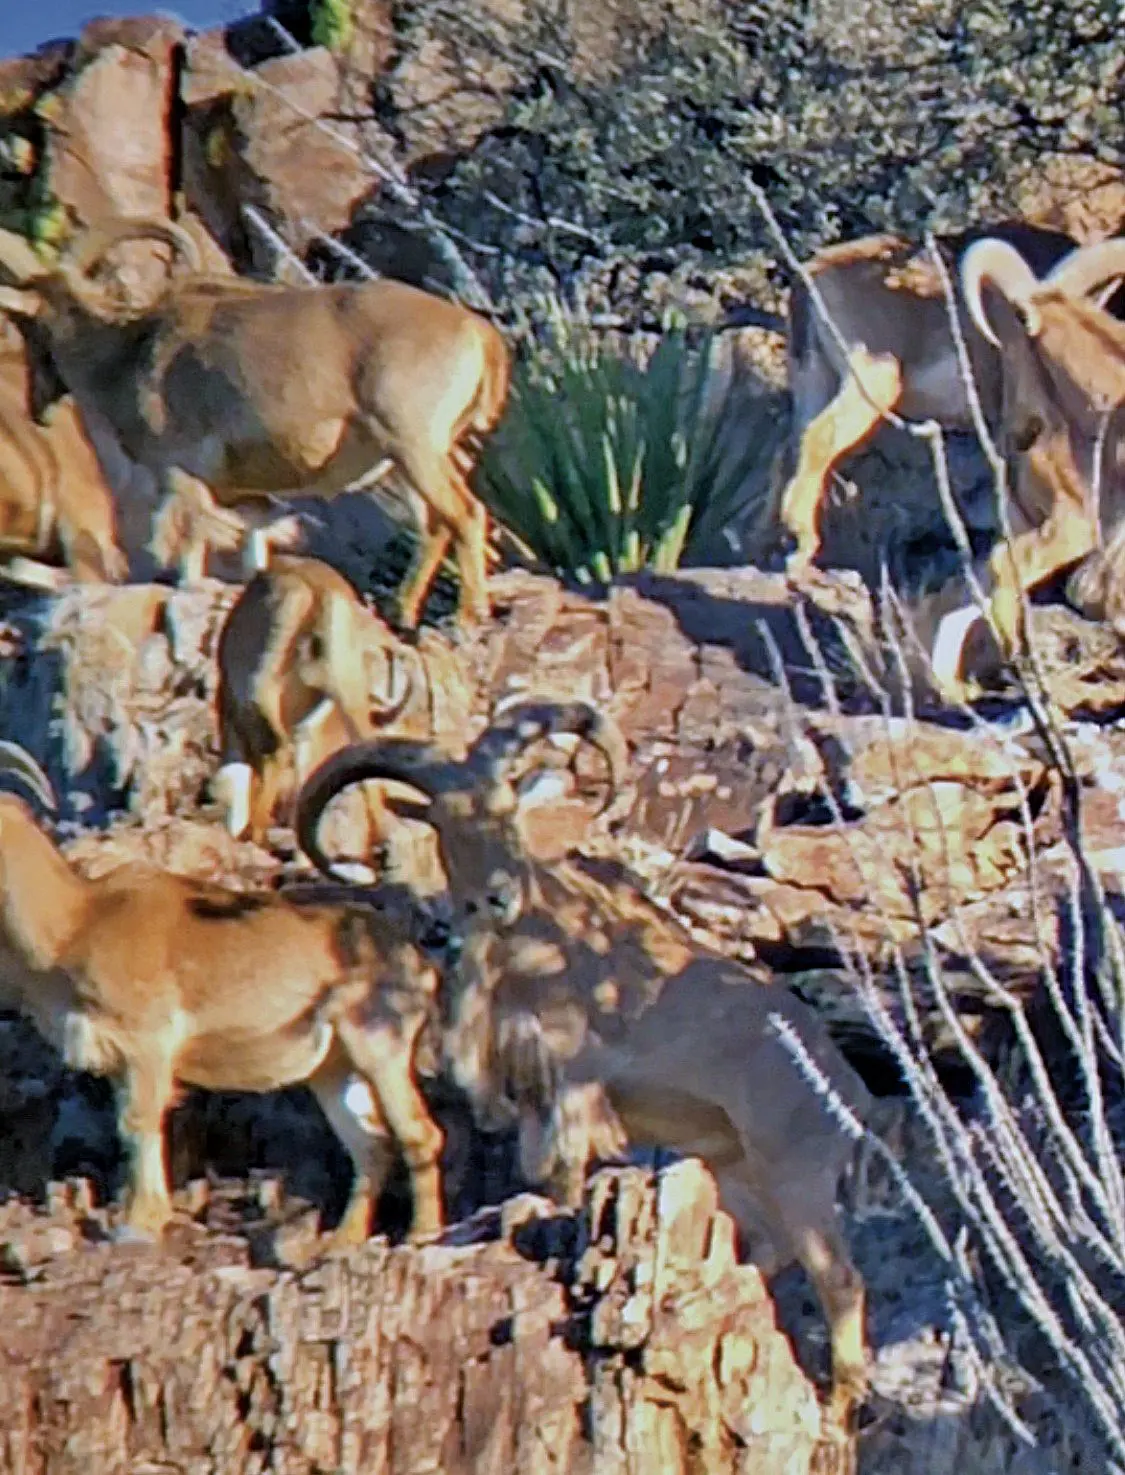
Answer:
x=109 y=148
x=264 y=138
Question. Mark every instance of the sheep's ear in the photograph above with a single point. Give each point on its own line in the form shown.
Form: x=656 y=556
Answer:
x=19 y=303
x=549 y=818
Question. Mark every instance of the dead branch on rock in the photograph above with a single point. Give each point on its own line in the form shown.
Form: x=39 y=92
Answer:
x=1031 y=1161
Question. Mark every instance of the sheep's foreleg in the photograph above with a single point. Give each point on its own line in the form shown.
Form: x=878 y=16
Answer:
x=354 y=1115
x=386 y=1059
x=147 y=1091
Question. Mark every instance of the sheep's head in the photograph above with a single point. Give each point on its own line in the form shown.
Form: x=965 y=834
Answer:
x=495 y=1050
x=1063 y=365
x=995 y=269
x=51 y=300
x=475 y=805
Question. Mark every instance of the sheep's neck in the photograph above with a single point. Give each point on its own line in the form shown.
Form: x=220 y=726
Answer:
x=41 y=894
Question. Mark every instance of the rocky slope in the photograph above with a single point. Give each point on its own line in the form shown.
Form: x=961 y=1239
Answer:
x=811 y=830
x=796 y=795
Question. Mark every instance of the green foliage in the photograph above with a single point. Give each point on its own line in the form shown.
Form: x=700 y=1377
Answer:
x=603 y=466
x=48 y=221
x=332 y=24
x=616 y=173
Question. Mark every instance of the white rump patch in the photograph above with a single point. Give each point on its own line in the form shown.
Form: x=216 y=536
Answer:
x=263 y=538
x=398 y=682
x=257 y=552
x=373 y=477
x=305 y=735
x=35 y=575
x=82 y=1045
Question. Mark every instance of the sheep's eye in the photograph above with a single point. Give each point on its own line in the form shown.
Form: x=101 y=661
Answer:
x=1028 y=434
x=472 y=908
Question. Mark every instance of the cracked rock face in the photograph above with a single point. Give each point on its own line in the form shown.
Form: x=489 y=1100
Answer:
x=539 y=1341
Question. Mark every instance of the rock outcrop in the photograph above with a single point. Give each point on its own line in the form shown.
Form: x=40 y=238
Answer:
x=622 y=1335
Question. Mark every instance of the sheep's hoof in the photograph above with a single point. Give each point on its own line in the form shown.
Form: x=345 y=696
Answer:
x=405 y=613
x=353 y=1229
x=426 y=1236
x=461 y=636
x=958 y=691
x=800 y=567
x=471 y=617
x=336 y=1243
x=133 y=1234
x=849 y=1393
x=429 y=1222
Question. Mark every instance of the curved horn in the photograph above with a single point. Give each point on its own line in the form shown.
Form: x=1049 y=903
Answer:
x=413 y=764
x=397 y=697
x=87 y=249
x=1088 y=268
x=496 y=749
x=995 y=261
x=16 y=759
x=18 y=256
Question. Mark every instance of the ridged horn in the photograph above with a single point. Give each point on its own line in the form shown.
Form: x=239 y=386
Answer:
x=1089 y=268
x=86 y=250
x=398 y=695
x=414 y=764
x=17 y=255
x=17 y=760
x=496 y=750
x=1000 y=264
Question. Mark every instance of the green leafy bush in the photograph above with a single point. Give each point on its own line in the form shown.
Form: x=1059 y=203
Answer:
x=332 y=23
x=616 y=170
x=604 y=465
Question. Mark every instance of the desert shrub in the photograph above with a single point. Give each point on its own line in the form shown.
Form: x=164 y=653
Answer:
x=605 y=464
x=1019 y=1189
x=627 y=131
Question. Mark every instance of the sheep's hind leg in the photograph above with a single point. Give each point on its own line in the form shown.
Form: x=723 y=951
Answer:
x=805 y=1216
x=452 y=516
x=798 y=1220
x=188 y=524
x=871 y=389
x=436 y=539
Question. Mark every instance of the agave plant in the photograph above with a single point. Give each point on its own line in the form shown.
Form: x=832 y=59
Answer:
x=604 y=465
